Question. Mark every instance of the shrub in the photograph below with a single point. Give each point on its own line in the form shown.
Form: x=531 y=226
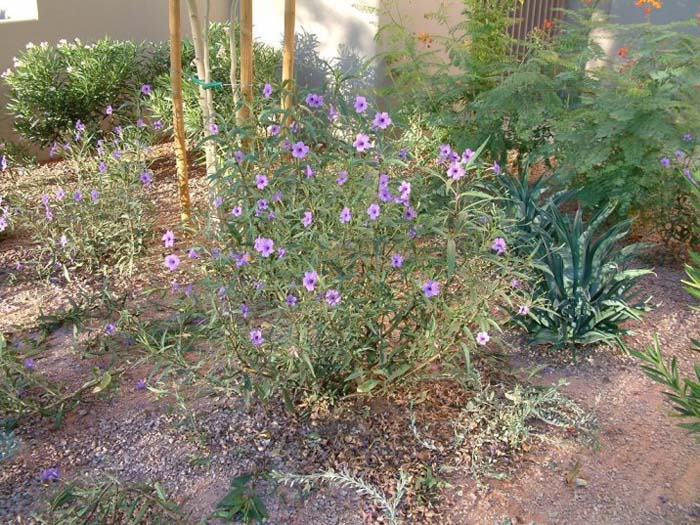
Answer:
x=347 y=260
x=51 y=88
x=97 y=222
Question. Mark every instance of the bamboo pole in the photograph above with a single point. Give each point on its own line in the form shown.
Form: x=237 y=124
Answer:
x=246 y=60
x=178 y=118
x=288 y=56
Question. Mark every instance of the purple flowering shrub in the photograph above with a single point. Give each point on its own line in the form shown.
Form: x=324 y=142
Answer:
x=350 y=257
x=96 y=218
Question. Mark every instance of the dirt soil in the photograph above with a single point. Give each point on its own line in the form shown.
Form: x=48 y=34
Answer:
x=636 y=467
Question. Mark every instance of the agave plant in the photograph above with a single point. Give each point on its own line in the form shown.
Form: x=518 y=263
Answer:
x=525 y=204
x=692 y=285
x=585 y=281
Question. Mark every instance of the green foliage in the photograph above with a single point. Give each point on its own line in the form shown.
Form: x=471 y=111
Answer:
x=586 y=282
x=241 y=503
x=684 y=392
x=600 y=124
x=692 y=285
x=112 y=502
x=51 y=88
x=9 y=444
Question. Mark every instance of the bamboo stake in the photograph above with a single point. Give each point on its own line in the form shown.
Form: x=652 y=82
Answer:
x=288 y=56
x=178 y=118
x=246 y=60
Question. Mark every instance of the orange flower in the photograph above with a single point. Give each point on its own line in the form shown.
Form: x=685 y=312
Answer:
x=424 y=37
x=622 y=52
x=656 y=4
x=548 y=24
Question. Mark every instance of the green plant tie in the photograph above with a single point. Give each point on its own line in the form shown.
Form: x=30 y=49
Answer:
x=206 y=85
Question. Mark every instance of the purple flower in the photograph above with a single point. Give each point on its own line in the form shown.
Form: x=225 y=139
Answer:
x=63 y=241
x=213 y=128
x=44 y=199
x=286 y=145
x=405 y=188
x=79 y=125
x=431 y=288
x=467 y=155
x=332 y=113
x=412 y=233
x=94 y=195
x=274 y=130
x=455 y=171
x=403 y=154
x=410 y=213
x=53 y=150
x=29 y=364
x=310 y=280
x=256 y=337
x=499 y=245
x=141 y=384
x=294 y=127
x=146 y=178
x=397 y=260
x=109 y=110
x=261 y=181
x=308 y=219
x=49 y=213
x=140 y=123
x=242 y=259
x=689 y=176
x=373 y=211
x=244 y=310
x=515 y=283
x=277 y=196
x=309 y=172
x=299 y=150
x=236 y=211
x=383 y=180
x=267 y=91
x=345 y=215
x=496 y=168
x=116 y=154
x=523 y=310
x=51 y=474
x=688 y=137
x=360 y=104
x=238 y=156
x=264 y=246
x=342 y=178
x=333 y=297
x=281 y=252
x=110 y=329
x=60 y=194
x=158 y=125
x=3 y=163
x=218 y=201
x=679 y=154
x=262 y=204
x=172 y=262
x=445 y=151
x=382 y=120
x=362 y=142
x=102 y=166
x=291 y=300
x=192 y=254
x=314 y=101
x=77 y=196
x=665 y=162
x=168 y=239
x=482 y=338
x=146 y=89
